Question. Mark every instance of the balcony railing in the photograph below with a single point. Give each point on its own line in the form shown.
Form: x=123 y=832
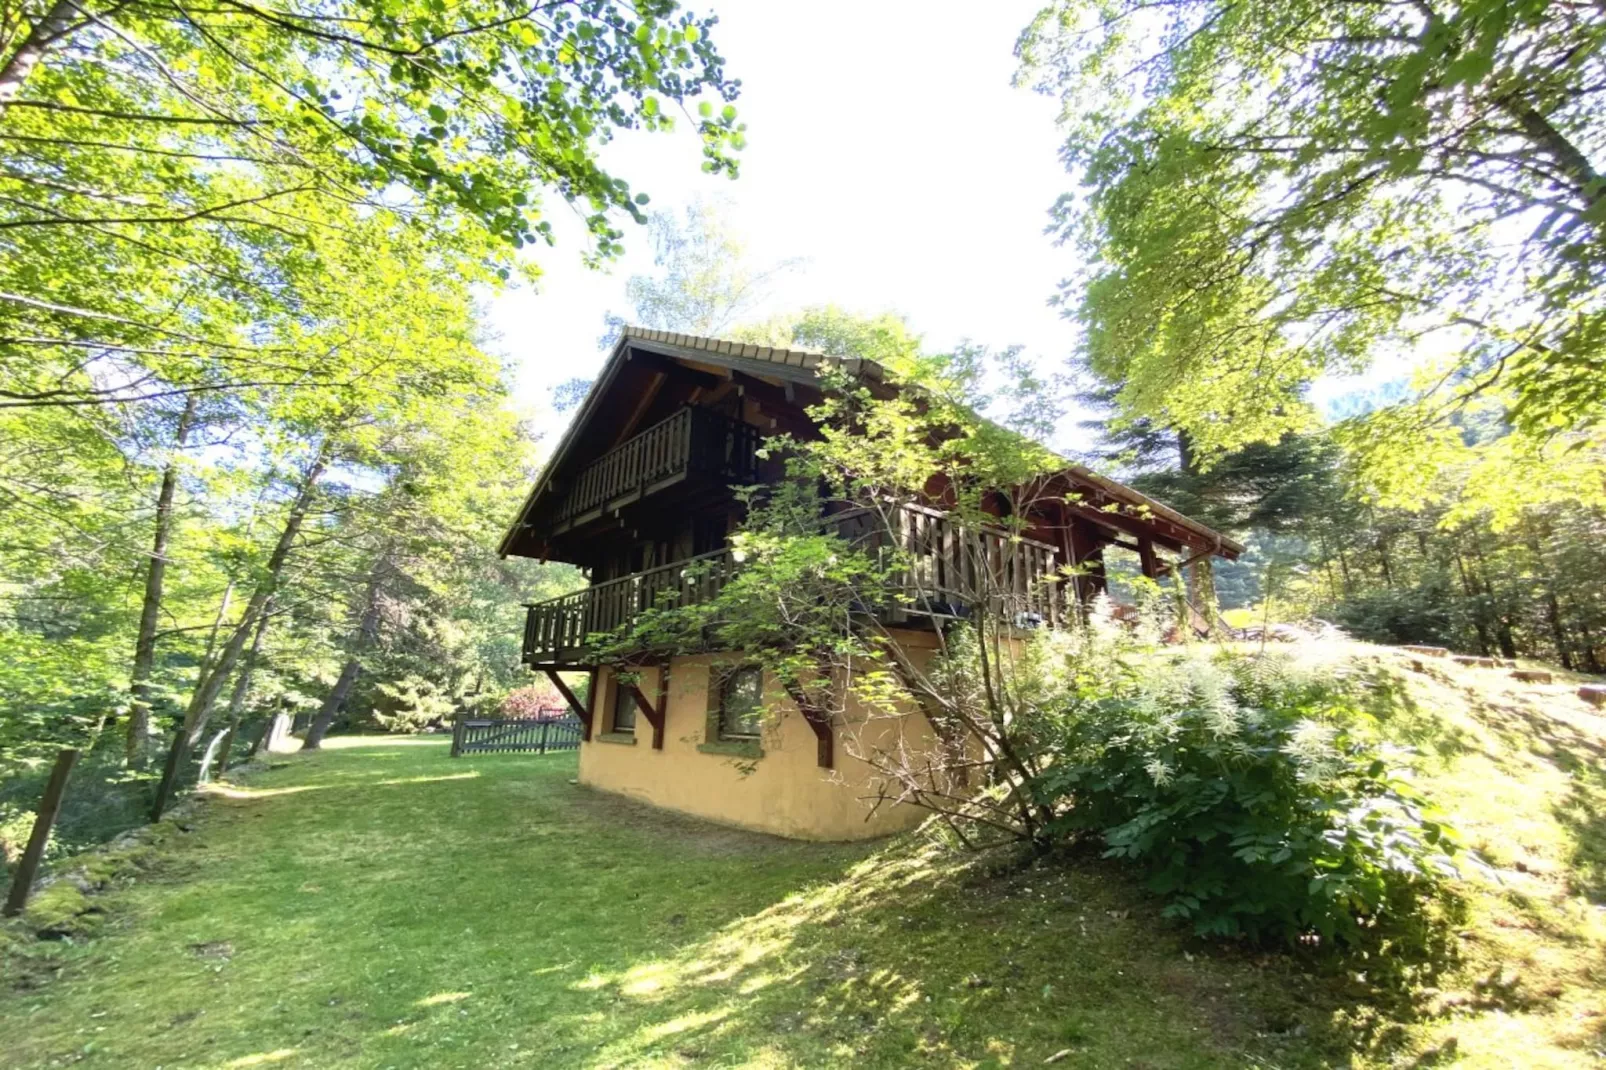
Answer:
x=693 y=441
x=947 y=571
x=556 y=630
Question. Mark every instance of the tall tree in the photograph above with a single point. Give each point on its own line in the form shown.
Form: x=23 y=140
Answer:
x=705 y=281
x=1274 y=192
x=139 y=714
x=175 y=178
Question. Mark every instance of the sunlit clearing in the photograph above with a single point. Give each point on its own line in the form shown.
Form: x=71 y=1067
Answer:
x=236 y=791
x=646 y=980
x=559 y=968
x=442 y=997
x=430 y=779
x=343 y=742
x=696 y=1020
x=262 y=1058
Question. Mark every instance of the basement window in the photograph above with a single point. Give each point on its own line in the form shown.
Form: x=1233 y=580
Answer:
x=741 y=704
x=624 y=708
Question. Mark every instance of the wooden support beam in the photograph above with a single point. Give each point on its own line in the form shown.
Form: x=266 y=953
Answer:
x=580 y=711
x=628 y=426
x=825 y=739
x=1146 y=555
x=654 y=714
x=1167 y=568
x=663 y=706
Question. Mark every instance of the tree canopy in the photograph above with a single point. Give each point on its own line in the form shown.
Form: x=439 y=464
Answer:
x=1273 y=193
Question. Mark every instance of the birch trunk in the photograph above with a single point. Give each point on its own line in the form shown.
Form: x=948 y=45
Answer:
x=139 y=714
x=210 y=684
x=52 y=27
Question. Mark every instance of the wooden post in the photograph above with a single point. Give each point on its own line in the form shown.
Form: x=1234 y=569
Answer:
x=1146 y=555
x=175 y=760
x=542 y=746
x=457 y=738
x=49 y=807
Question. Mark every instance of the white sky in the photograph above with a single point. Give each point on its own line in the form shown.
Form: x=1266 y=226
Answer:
x=886 y=147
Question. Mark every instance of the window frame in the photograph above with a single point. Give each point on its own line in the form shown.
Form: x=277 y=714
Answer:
x=622 y=694
x=726 y=681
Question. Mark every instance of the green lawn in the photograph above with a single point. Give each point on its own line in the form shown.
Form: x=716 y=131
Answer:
x=381 y=905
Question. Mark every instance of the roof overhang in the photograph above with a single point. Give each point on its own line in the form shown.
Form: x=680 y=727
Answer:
x=802 y=366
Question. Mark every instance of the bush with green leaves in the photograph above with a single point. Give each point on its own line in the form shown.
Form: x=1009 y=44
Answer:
x=1249 y=791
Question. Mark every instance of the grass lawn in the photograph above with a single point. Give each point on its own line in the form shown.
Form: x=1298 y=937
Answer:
x=381 y=905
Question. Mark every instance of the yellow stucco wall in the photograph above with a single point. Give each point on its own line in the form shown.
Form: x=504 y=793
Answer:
x=783 y=792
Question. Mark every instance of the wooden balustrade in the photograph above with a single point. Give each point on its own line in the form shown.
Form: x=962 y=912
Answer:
x=555 y=631
x=693 y=441
x=948 y=569
x=943 y=570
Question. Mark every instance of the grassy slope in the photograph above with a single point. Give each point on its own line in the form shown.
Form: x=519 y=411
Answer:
x=382 y=905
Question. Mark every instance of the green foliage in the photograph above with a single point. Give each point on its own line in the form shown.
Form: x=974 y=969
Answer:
x=54 y=689
x=104 y=799
x=1250 y=795
x=1272 y=193
x=411 y=704
x=704 y=281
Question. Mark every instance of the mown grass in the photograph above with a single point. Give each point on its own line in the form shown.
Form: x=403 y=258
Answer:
x=381 y=905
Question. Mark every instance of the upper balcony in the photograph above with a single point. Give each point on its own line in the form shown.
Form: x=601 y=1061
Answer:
x=946 y=571
x=693 y=442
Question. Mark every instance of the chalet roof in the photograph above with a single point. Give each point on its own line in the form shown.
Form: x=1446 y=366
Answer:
x=799 y=365
x=775 y=355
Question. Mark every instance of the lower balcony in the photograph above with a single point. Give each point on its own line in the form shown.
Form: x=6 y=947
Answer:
x=948 y=571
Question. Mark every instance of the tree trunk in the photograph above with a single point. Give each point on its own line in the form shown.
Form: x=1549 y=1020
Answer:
x=1500 y=619
x=1552 y=608
x=367 y=629
x=1591 y=660
x=1480 y=621
x=1584 y=180
x=242 y=685
x=139 y=714
x=210 y=683
x=56 y=24
x=332 y=704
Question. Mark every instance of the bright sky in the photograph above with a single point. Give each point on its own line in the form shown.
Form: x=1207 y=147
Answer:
x=886 y=148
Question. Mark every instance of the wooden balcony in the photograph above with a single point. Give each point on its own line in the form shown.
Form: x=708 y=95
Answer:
x=948 y=571
x=692 y=443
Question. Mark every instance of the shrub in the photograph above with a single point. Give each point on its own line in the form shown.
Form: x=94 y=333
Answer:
x=1250 y=795
x=1398 y=615
x=103 y=800
x=533 y=700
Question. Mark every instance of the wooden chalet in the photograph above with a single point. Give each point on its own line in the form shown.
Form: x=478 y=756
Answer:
x=640 y=489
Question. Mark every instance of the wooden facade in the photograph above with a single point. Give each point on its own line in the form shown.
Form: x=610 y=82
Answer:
x=639 y=495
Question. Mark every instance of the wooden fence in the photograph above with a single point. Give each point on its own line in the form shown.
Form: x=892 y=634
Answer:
x=483 y=734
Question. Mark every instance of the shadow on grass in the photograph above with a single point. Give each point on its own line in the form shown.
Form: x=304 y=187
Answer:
x=1551 y=728
x=1555 y=737
x=381 y=906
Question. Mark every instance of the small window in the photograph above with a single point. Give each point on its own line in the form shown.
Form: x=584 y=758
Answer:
x=624 y=708
x=741 y=704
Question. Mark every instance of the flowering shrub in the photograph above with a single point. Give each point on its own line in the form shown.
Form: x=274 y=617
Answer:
x=1249 y=793
x=532 y=701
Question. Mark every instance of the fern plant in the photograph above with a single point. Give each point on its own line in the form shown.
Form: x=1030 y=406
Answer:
x=1251 y=796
